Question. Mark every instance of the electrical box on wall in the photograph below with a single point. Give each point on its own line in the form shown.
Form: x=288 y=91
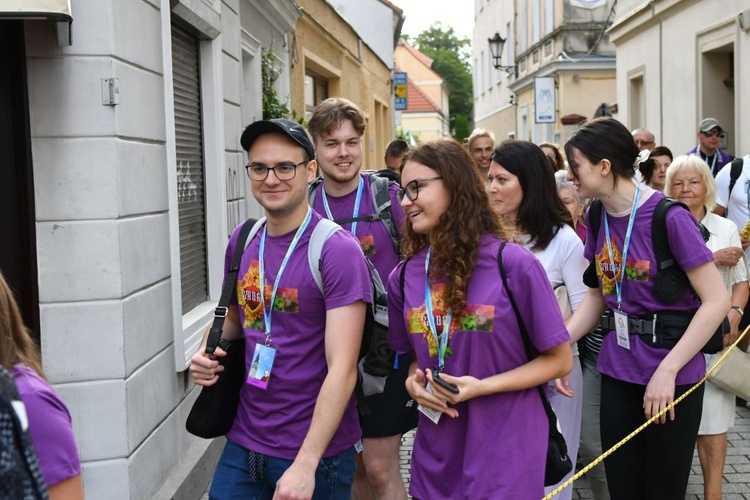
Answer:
x=110 y=91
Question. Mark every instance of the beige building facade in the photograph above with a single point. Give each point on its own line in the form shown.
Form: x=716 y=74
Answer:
x=558 y=39
x=679 y=61
x=427 y=116
x=330 y=59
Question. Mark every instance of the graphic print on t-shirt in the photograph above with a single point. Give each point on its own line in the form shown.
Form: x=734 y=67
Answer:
x=367 y=243
x=248 y=298
x=475 y=318
x=637 y=270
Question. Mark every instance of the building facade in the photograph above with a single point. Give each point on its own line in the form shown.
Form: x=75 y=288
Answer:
x=427 y=116
x=565 y=41
x=122 y=177
x=331 y=59
x=680 y=61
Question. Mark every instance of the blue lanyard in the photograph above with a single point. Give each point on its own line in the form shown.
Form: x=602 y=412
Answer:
x=357 y=200
x=713 y=162
x=625 y=246
x=267 y=311
x=440 y=341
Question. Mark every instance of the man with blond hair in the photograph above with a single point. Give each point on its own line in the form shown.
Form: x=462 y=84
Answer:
x=481 y=145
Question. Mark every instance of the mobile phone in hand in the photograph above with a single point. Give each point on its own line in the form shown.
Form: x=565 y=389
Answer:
x=442 y=383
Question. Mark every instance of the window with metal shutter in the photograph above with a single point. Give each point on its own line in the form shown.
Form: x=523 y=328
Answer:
x=190 y=185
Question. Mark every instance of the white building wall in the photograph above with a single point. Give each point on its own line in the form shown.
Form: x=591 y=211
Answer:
x=112 y=332
x=373 y=22
x=492 y=97
x=668 y=38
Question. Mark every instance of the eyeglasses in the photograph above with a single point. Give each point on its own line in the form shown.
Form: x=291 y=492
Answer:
x=640 y=143
x=282 y=171
x=411 y=190
x=712 y=133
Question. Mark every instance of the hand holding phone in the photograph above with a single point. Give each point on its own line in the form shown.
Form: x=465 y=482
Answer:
x=442 y=383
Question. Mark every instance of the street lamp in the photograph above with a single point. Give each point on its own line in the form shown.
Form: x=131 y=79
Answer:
x=496 y=48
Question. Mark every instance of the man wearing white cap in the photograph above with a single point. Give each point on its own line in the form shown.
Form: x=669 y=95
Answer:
x=709 y=135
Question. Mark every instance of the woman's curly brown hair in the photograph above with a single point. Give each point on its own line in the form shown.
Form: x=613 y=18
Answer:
x=16 y=344
x=455 y=239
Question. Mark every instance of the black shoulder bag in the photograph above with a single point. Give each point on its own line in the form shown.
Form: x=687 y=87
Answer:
x=558 y=462
x=213 y=412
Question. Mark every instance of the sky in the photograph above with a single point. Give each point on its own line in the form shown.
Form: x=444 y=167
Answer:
x=420 y=14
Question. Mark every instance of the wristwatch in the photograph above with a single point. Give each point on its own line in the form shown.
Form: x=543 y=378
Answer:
x=739 y=310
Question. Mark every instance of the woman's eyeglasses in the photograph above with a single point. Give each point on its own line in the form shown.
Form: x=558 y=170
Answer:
x=411 y=190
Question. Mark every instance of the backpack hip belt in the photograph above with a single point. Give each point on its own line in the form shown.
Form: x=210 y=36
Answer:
x=660 y=329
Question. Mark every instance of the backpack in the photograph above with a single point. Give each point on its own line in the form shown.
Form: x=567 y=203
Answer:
x=381 y=203
x=734 y=174
x=20 y=476
x=671 y=281
x=375 y=359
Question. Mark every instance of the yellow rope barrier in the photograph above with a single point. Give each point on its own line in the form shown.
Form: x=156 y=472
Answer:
x=646 y=424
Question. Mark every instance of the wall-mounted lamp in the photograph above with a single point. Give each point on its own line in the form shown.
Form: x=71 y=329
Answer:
x=496 y=48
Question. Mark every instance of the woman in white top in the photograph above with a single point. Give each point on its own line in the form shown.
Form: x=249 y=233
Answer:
x=689 y=180
x=522 y=190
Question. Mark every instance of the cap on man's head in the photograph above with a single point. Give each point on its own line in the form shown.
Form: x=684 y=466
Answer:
x=707 y=124
x=294 y=131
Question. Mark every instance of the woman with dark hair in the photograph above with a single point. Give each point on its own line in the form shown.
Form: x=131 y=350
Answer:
x=50 y=426
x=522 y=190
x=553 y=155
x=654 y=170
x=644 y=365
x=447 y=304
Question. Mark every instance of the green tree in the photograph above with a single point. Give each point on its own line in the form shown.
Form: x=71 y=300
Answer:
x=450 y=55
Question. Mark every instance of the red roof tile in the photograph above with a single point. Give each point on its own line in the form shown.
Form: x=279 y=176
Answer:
x=419 y=102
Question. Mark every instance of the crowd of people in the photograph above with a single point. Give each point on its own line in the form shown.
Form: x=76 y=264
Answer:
x=508 y=267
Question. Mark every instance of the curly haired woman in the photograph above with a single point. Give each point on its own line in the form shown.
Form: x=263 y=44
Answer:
x=451 y=279
x=50 y=426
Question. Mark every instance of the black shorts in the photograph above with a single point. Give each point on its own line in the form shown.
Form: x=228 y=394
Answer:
x=392 y=412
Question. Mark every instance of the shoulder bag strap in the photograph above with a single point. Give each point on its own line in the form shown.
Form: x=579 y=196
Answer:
x=228 y=288
x=524 y=333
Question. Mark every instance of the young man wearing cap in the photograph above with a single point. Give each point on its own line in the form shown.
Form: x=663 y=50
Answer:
x=337 y=126
x=709 y=135
x=294 y=434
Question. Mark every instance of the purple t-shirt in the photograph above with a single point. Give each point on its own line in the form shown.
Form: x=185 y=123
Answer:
x=470 y=456
x=638 y=364
x=373 y=236
x=50 y=426
x=274 y=421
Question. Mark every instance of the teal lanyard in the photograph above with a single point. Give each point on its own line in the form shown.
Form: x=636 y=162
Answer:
x=713 y=162
x=625 y=246
x=440 y=341
x=267 y=311
x=357 y=201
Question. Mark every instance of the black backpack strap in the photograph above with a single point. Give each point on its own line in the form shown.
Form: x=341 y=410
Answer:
x=734 y=173
x=402 y=277
x=228 y=288
x=595 y=222
x=660 y=236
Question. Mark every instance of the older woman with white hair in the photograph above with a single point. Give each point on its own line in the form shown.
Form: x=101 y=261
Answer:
x=568 y=193
x=689 y=180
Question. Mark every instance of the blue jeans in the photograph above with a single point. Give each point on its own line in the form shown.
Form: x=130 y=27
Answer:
x=243 y=474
